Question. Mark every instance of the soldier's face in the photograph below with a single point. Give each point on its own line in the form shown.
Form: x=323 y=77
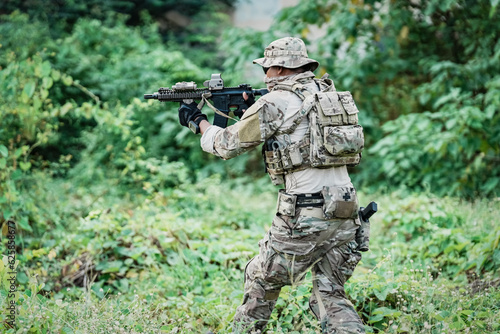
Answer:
x=273 y=71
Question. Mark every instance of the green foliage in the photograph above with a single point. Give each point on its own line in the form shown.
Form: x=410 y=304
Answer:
x=89 y=70
x=424 y=75
x=85 y=313
x=432 y=267
x=64 y=16
x=411 y=300
x=193 y=26
x=125 y=225
x=446 y=241
x=161 y=244
x=110 y=69
x=461 y=139
x=29 y=120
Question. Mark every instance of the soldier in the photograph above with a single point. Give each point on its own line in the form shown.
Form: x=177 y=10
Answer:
x=316 y=220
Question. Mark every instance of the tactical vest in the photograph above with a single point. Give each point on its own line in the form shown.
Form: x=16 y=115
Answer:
x=334 y=137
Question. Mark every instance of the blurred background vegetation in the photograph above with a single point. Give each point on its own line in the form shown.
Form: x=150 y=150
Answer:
x=100 y=182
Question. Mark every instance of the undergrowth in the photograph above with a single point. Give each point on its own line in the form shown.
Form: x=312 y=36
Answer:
x=172 y=261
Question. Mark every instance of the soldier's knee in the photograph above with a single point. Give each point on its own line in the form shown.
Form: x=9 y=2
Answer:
x=330 y=289
x=252 y=269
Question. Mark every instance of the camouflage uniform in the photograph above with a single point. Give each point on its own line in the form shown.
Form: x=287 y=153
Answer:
x=300 y=238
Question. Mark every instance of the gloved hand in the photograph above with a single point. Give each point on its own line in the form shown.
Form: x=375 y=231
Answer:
x=249 y=99
x=190 y=112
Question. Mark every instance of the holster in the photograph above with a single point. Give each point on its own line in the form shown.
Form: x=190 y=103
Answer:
x=363 y=235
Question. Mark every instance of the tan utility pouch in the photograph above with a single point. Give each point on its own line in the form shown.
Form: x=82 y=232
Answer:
x=337 y=108
x=343 y=140
x=286 y=203
x=338 y=134
x=340 y=202
x=274 y=166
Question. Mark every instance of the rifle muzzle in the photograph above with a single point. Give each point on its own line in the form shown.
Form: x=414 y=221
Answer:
x=151 y=96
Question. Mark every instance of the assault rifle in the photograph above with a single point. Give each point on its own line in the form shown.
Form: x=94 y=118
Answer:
x=225 y=100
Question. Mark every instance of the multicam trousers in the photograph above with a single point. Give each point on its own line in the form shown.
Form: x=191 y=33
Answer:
x=291 y=248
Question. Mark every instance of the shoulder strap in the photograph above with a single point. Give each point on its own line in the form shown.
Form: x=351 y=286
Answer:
x=307 y=104
x=325 y=84
x=296 y=88
x=308 y=99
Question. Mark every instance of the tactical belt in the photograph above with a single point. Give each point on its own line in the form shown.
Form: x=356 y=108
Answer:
x=310 y=200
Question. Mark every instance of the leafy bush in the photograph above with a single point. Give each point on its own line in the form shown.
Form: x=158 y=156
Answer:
x=29 y=120
x=63 y=17
x=424 y=76
x=453 y=150
x=437 y=233
x=135 y=62
x=110 y=120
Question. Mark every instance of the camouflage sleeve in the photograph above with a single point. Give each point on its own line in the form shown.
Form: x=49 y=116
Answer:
x=272 y=112
x=258 y=123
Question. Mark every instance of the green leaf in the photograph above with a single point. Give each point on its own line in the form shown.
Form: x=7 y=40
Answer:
x=382 y=295
x=4 y=151
x=16 y=175
x=376 y=318
x=385 y=311
x=18 y=152
x=25 y=165
x=67 y=330
x=24 y=224
x=47 y=82
x=65 y=108
x=29 y=88
x=467 y=312
x=45 y=69
x=97 y=291
x=491 y=184
x=7 y=213
x=496 y=257
x=437 y=316
x=67 y=80
x=458 y=325
x=22 y=278
x=109 y=267
x=56 y=75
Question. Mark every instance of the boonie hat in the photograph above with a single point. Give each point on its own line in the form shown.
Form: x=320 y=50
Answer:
x=289 y=52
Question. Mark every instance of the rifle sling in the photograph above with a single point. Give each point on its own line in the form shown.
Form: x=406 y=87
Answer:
x=204 y=100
